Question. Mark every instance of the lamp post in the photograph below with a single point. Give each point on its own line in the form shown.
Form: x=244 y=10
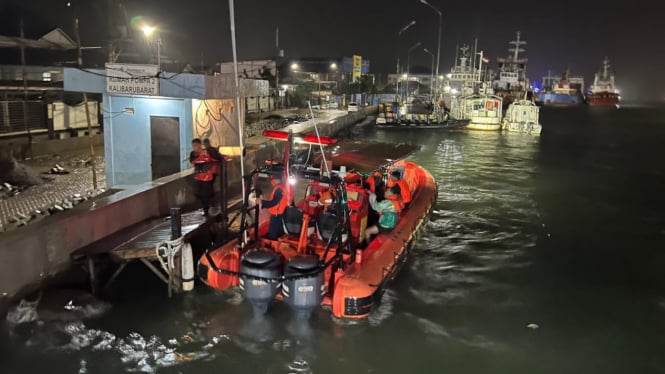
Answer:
x=401 y=31
x=431 y=74
x=408 y=67
x=149 y=31
x=438 y=45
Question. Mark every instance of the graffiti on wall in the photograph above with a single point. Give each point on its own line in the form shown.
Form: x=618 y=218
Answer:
x=217 y=120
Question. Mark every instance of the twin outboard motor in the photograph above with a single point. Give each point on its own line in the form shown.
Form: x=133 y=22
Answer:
x=259 y=292
x=303 y=294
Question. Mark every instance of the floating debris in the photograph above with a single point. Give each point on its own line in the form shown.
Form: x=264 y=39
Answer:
x=533 y=326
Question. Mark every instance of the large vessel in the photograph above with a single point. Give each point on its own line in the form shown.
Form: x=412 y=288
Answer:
x=479 y=105
x=565 y=90
x=522 y=116
x=318 y=261
x=461 y=79
x=603 y=92
x=511 y=82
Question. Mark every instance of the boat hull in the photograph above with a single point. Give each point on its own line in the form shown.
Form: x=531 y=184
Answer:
x=608 y=99
x=483 y=124
x=449 y=124
x=357 y=288
x=552 y=99
x=522 y=127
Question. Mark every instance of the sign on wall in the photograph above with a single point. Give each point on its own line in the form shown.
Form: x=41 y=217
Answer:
x=357 y=68
x=132 y=79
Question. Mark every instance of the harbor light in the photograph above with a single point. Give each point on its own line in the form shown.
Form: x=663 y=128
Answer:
x=333 y=66
x=446 y=88
x=449 y=75
x=294 y=67
x=453 y=91
x=148 y=30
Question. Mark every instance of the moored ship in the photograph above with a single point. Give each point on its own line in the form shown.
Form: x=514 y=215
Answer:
x=561 y=91
x=511 y=81
x=603 y=92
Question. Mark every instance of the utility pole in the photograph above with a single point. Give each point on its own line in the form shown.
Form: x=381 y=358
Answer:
x=87 y=110
x=279 y=97
x=25 y=90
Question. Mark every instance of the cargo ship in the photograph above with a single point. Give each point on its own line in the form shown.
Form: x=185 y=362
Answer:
x=603 y=92
x=561 y=91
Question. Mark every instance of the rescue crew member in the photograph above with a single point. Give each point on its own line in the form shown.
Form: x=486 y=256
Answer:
x=387 y=214
x=214 y=153
x=404 y=191
x=203 y=174
x=276 y=206
x=375 y=183
x=326 y=198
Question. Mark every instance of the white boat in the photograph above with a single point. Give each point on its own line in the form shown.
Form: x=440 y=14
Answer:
x=522 y=116
x=483 y=111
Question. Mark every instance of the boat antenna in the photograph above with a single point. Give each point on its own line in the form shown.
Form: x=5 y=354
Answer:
x=318 y=137
x=241 y=125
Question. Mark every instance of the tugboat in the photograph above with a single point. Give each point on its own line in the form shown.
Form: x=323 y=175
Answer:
x=561 y=91
x=512 y=81
x=318 y=260
x=603 y=92
x=522 y=116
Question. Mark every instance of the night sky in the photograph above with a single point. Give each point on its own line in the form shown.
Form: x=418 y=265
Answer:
x=575 y=34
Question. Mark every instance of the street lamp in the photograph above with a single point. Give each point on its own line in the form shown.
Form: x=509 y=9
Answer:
x=431 y=74
x=408 y=66
x=438 y=45
x=148 y=32
x=401 y=31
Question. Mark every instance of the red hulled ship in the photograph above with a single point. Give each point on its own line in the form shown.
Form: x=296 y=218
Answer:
x=603 y=91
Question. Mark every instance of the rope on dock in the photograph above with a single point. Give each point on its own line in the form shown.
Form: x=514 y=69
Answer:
x=169 y=249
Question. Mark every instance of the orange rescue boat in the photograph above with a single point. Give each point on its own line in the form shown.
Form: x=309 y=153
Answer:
x=318 y=261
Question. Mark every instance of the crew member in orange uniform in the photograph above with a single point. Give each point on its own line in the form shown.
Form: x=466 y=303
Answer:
x=375 y=183
x=276 y=206
x=404 y=191
x=204 y=174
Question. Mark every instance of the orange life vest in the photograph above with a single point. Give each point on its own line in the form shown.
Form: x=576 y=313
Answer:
x=204 y=167
x=374 y=180
x=283 y=203
x=404 y=191
x=397 y=201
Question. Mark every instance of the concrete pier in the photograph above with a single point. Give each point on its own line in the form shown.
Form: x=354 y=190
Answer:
x=32 y=254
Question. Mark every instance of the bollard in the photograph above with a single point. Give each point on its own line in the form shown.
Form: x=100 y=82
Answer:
x=176 y=223
x=176 y=232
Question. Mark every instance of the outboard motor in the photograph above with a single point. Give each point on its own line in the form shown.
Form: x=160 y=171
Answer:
x=304 y=294
x=260 y=263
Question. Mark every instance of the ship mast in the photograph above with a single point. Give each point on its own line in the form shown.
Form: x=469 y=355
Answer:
x=606 y=68
x=517 y=49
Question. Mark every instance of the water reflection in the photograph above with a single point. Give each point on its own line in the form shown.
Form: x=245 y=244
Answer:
x=561 y=231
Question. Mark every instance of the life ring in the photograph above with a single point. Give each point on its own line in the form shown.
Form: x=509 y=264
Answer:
x=489 y=105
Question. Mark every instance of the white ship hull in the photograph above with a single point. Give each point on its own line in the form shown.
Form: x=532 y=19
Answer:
x=484 y=124
x=522 y=127
x=522 y=116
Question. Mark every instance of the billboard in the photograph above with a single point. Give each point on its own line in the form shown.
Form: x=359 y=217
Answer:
x=357 y=68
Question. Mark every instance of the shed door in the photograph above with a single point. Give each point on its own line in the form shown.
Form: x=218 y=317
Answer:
x=165 y=146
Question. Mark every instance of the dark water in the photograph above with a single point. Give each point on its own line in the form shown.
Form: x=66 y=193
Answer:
x=543 y=255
